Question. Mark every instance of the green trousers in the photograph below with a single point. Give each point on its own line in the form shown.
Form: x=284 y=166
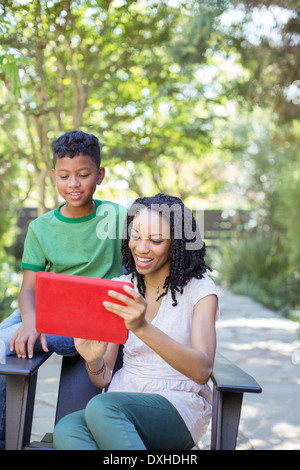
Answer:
x=124 y=421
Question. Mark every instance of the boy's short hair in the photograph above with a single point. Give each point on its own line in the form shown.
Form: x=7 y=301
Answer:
x=74 y=143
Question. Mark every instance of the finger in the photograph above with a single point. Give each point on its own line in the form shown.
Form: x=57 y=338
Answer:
x=30 y=347
x=43 y=340
x=125 y=299
x=118 y=296
x=134 y=294
x=20 y=349
x=138 y=301
x=130 y=290
x=12 y=343
x=115 y=308
x=128 y=313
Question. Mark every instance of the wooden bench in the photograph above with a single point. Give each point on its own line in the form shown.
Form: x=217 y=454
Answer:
x=75 y=390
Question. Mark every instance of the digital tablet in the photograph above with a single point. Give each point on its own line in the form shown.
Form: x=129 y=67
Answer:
x=68 y=305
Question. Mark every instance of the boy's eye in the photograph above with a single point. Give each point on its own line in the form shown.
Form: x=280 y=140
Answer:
x=84 y=176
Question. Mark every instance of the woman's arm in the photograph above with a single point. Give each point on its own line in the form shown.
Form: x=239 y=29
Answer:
x=100 y=359
x=195 y=362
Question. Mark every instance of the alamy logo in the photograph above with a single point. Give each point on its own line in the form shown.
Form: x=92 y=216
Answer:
x=184 y=225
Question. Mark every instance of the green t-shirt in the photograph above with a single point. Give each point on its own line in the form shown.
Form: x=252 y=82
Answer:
x=86 y=246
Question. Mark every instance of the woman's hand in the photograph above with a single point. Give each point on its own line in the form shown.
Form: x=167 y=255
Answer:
x=90 y=350
x=134 y=310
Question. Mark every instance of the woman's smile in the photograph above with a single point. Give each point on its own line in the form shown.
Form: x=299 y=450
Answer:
x=143 y=262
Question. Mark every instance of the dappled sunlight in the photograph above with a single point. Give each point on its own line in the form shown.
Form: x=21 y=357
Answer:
x=289 y=432
x=284 y=348
x=259 y=323
x=274 y=436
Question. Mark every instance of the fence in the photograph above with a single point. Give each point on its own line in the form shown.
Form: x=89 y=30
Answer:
x=218 y=225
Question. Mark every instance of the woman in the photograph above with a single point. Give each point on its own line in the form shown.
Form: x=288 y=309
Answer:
x=159 y=399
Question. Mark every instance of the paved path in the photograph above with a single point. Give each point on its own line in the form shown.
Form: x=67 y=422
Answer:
x=258 y=340
x=262 y=343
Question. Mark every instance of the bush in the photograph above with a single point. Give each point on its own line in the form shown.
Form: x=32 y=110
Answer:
x=9 y=290
x=256 y=256
x=257 y=266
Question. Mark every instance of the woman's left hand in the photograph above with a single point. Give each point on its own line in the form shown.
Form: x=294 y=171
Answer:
x=90 y=350
x=134 y=310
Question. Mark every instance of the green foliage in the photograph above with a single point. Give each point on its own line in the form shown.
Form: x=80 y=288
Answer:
x=10 y=283
x=269 y=51
x=10 y=74
x=267 y=266
x=257 y=266
x=182 y=101
x=287 y=213
x=124 y=70
x=258 y=256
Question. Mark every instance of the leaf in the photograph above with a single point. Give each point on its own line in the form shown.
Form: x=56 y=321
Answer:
x=11 y=76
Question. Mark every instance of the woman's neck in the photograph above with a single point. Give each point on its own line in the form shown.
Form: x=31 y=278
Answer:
x=156 y=280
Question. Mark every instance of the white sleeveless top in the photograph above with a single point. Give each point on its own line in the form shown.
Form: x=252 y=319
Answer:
x=145 y=371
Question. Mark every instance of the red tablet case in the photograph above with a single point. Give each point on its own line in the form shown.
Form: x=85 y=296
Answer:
x=68 y=305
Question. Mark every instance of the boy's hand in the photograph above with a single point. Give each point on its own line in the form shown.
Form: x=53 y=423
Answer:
x=27 y=335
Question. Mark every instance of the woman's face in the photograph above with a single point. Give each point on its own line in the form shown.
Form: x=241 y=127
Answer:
x=150 y=242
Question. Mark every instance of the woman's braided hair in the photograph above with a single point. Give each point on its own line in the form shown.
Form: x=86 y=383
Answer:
x=186 y=254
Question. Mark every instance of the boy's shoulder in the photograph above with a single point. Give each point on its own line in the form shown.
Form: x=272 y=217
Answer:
x=44 y=218
x=111 y=203
x=103 y=206
x=54 y=216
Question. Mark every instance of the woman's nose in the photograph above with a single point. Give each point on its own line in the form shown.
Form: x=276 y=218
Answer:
x=143 y=246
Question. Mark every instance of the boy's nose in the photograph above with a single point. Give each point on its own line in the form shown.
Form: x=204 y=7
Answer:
x=74 y=182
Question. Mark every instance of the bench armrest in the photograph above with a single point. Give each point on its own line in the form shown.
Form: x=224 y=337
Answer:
x=230 y=383
x=25 y=367
x=228 y=377
x=21 y=378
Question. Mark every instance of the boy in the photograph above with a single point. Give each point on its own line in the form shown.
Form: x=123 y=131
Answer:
x=76 y=238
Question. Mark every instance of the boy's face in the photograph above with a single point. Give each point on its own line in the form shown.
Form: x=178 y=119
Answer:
x=76 y=180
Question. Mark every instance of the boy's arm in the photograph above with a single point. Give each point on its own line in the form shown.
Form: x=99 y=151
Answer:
x=27 y=334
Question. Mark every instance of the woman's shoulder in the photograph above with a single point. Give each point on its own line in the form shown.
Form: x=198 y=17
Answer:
x=205 y=282
x=199 y=288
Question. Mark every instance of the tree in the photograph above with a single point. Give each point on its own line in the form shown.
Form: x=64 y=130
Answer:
x=266 y=37
x=108 y=67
